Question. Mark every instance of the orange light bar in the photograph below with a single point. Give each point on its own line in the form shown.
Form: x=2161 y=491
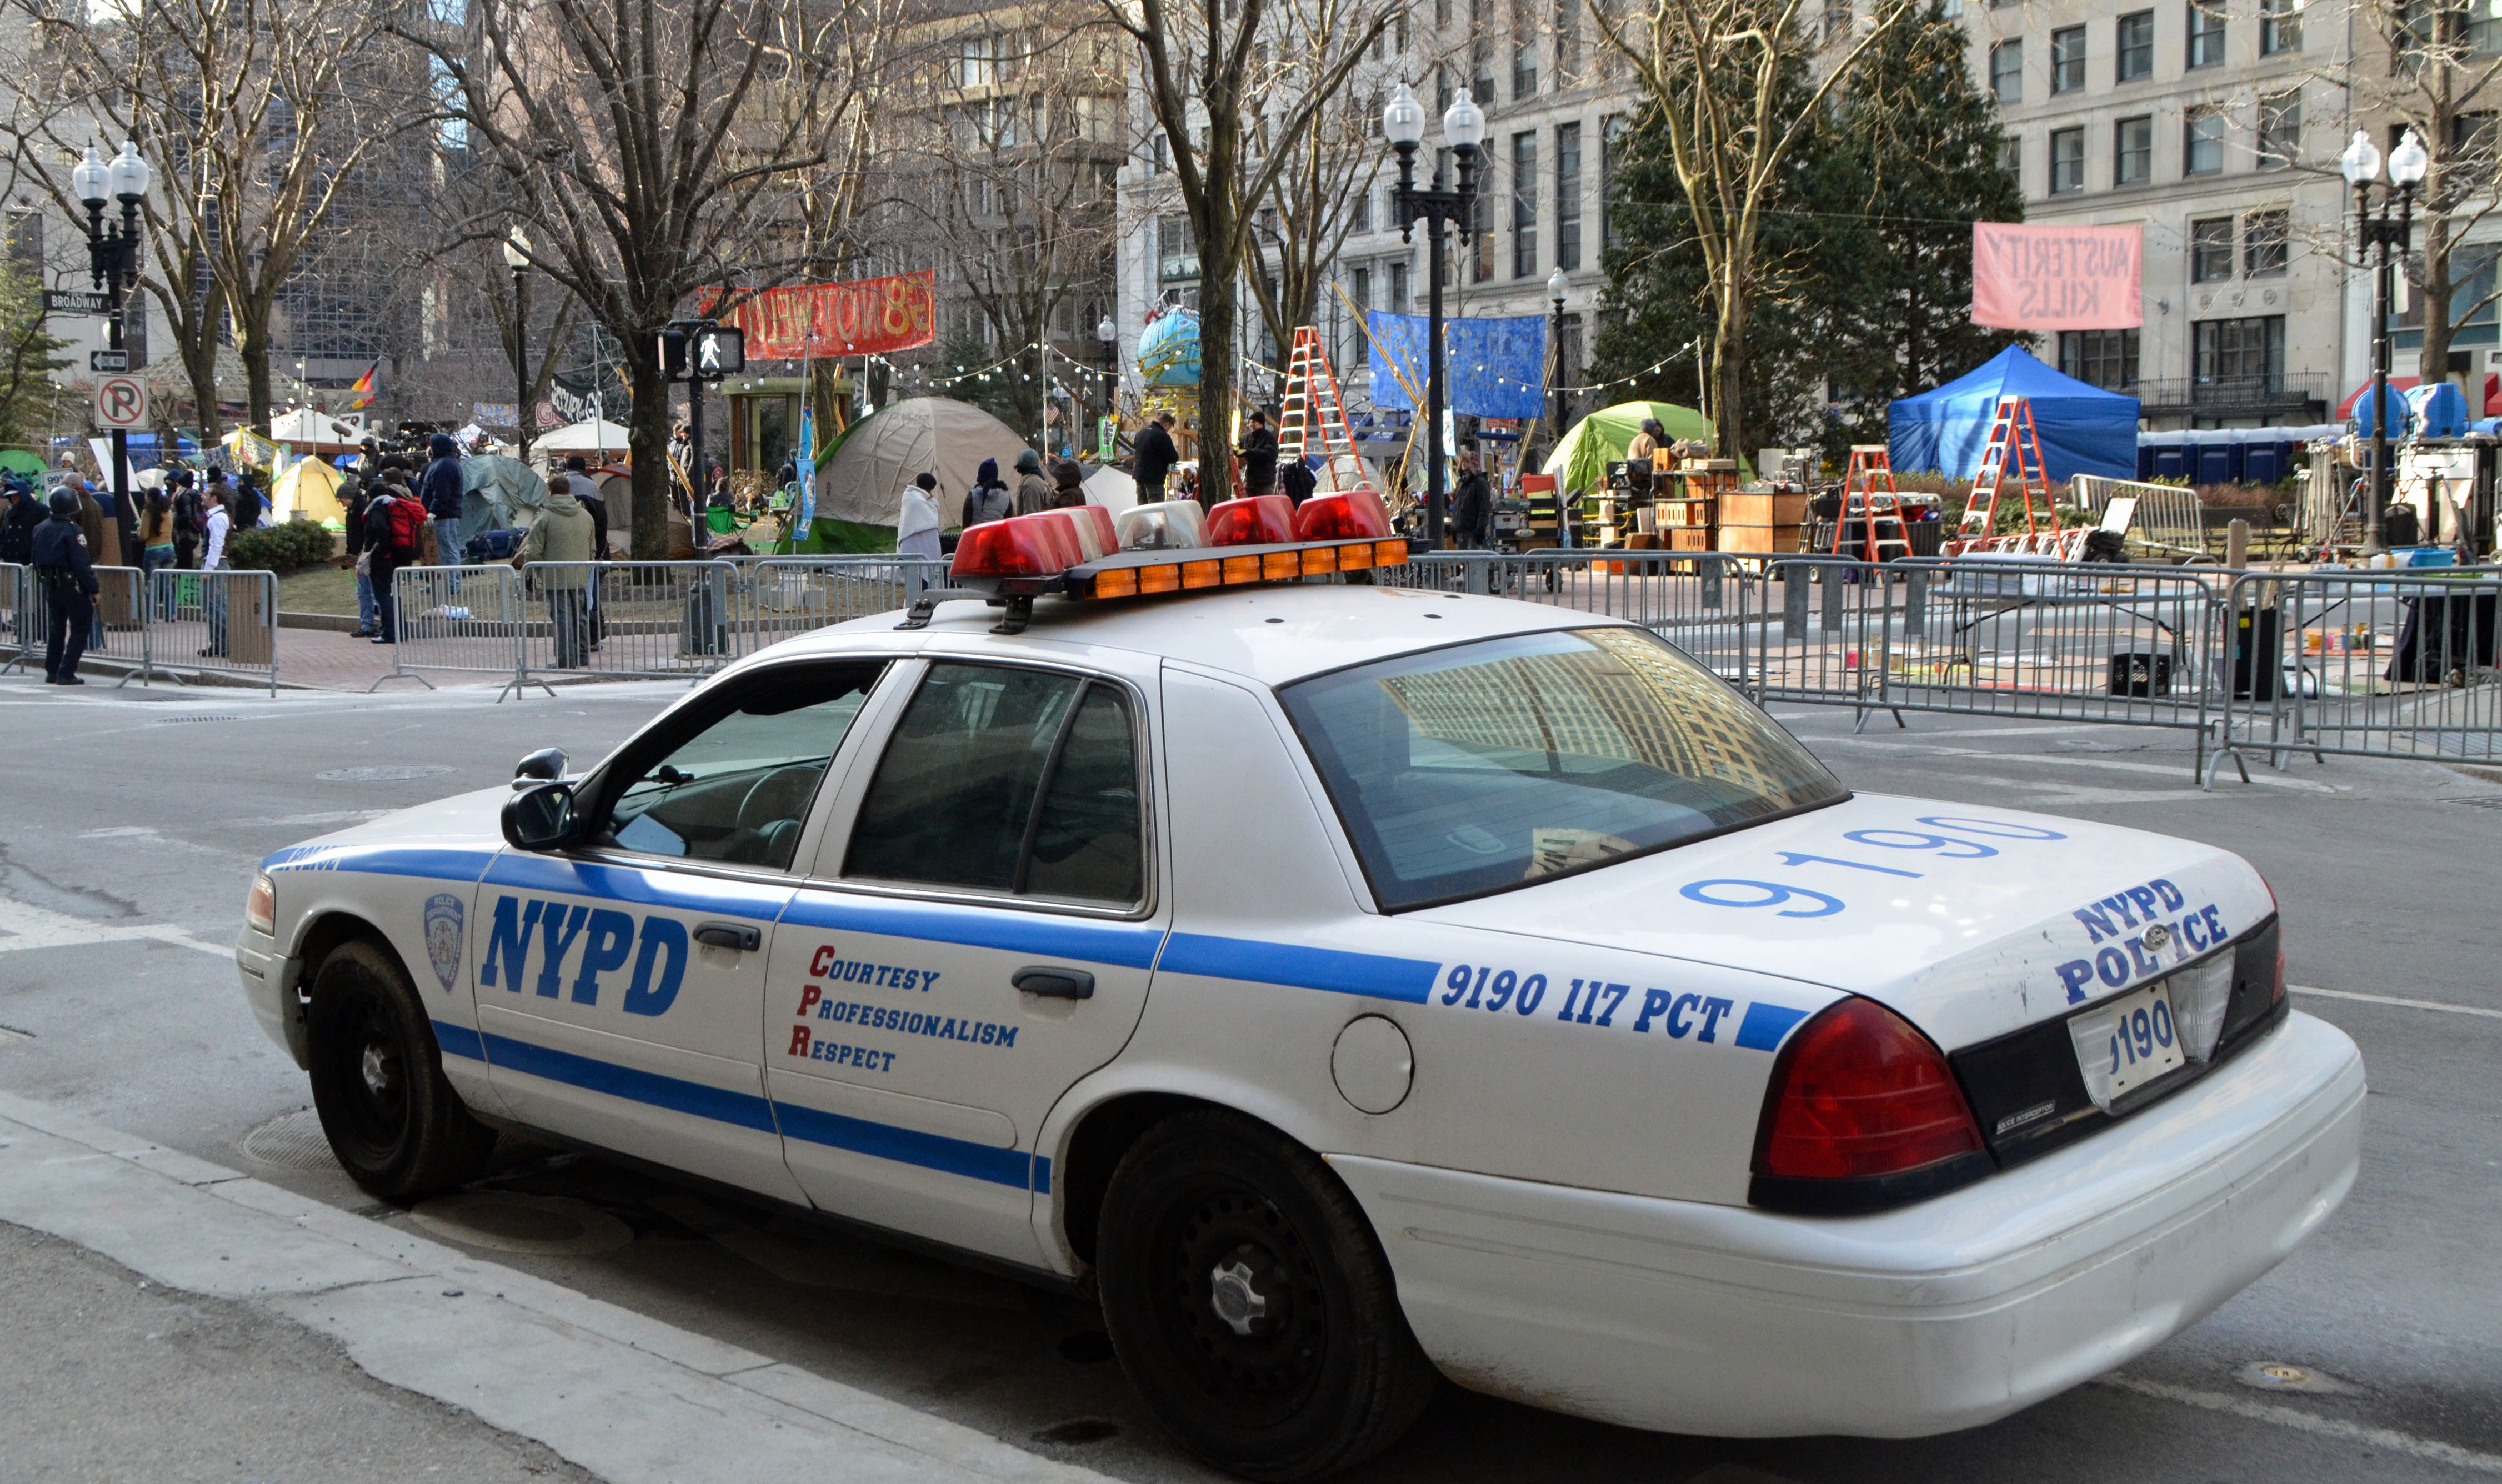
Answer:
x=1241 y=569
x=1201 y=574
x=1120 y=582
x=1320 y=560
x=1391 y=552
x=1274 y=565
x=1159 y=579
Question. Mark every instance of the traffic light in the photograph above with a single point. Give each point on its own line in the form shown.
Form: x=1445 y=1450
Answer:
x=673 y=355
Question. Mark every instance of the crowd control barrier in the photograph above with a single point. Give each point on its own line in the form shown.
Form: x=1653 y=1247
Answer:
x=459 y=619
x=631 y=620
x=16 y=616
x=788 y=595
x=2402 y=663
x=213 y=622
x=1697 y=601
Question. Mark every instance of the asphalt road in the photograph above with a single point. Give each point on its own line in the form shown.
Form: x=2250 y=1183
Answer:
x=132 y=823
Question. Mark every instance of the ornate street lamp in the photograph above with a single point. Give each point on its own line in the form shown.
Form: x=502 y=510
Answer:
x=1557 y=286
x=2361 y=164
x=1402 y=123
x=112 y=263
x=1108 y=335
x=517 y=257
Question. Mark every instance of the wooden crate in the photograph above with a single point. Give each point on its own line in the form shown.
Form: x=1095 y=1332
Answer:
x=1758 y=538
x=1689 y=538
x=1763 y=507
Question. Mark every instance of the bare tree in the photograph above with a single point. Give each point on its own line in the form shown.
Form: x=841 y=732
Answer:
x=1725 y=78
x=1200 y=63
x=656 y=146
x=257 y=115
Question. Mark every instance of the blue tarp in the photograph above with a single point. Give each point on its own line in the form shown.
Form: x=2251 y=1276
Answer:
x=2083 y=428
x=1498 y=367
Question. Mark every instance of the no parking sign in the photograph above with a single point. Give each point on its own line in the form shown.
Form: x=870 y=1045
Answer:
x=120 y=401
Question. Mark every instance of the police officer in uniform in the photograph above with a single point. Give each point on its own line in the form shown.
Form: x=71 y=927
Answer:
x=68 y=576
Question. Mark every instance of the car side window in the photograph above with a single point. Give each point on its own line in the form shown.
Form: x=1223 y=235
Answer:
x=735 y=784
x=1007 y=780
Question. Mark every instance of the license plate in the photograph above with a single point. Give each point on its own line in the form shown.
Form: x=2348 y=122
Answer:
x=2126 y=1043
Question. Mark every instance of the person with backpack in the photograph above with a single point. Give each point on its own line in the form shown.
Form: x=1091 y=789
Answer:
x=189 y=521
x=394 y=526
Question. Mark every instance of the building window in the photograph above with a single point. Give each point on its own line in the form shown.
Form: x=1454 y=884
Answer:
x=2133 y=151
x=1399 y=287
x=2241 y=353
x=26 y=242
x=1568 y=42
x=2067 y=161
x=1482 y=69
x=2006 y=72
x=2211 y=250
x=2280 y=131
x=975 y=66
x=2104 y=358
x=1524 y=205
x=2202 y=149
x=1611 y=133
x=2205 y=34
x=1523 y=49
x=2263 y=244
x=1567 y=197
x=1359 y=287
x=2280 y=27
x=2137 y=45
x=2067 y=60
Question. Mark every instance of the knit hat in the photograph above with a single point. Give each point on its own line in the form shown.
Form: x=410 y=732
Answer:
x=1030 y=461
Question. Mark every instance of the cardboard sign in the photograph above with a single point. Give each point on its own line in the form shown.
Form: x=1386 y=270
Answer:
x=2058 y=277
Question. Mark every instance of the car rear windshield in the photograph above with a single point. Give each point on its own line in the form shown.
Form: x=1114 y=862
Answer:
x=1489 y=766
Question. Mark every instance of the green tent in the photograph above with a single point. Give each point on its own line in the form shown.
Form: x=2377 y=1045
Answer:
x=19 y=461
x=1583 y=456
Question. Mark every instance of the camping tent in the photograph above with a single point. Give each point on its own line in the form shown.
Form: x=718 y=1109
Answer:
x=310 y=488
x=591 y=435
x=307 y=431
x=859 y=482
x=2083 y=428
x=1582 y=454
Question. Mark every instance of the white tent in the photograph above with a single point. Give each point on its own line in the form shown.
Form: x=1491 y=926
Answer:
x=865 y=480
x=591 y=435
x=308 y=432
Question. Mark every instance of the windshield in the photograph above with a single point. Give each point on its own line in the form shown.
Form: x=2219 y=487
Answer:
x=1488 y=765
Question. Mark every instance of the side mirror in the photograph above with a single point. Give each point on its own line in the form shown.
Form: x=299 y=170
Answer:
x=546 y=766
x=540 y=818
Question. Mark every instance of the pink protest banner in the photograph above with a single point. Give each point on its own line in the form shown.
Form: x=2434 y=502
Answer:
x=825 y=319
x=2058 y=277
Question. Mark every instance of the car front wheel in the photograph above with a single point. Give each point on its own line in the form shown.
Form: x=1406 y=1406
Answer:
x=1250 y=1303
x=394 y=1123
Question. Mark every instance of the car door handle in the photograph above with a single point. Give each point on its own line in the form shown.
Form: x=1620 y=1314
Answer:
x=1055 y=982
x=729 y=936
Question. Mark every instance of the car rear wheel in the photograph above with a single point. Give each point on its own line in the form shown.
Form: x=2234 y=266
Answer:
x=1250 y=1303
x=397 y=1125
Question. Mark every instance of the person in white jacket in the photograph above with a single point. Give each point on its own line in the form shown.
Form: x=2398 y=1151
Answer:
x=916 y=533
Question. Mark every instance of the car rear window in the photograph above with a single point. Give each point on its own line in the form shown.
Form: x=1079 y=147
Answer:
x=1490 y=766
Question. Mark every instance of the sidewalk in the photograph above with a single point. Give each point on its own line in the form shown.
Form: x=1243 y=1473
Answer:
x=628 y=1399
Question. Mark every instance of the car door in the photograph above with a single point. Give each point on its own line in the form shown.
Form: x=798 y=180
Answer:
x=620 y=984
x=977 y=934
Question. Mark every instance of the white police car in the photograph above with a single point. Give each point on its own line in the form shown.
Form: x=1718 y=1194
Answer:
x=1352 y=985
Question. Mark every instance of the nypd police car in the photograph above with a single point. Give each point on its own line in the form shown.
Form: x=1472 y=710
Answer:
x=1353 y=987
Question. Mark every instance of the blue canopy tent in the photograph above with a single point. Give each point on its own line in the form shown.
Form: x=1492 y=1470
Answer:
x=2083 y=428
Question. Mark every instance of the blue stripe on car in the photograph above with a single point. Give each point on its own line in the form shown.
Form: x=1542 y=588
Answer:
x=435 y=862
x=1765 y=1025
x=748 y=1110
x=1335 y=970
x=1125 y=945
x=683 y=891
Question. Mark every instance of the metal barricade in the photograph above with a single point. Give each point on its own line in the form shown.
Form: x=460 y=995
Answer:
x=2381 y=662
x=630 y=620
x=210 y=622
x=1696 y=600
x=17 y=622
x=2060 y=641
x=464 y=618
x=788 y=595
x=2168 y=517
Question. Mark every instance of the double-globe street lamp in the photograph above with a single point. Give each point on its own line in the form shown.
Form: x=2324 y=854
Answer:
x=1557 y=287
x=517 y=257
x=1402 y=123
x=1108 y=335
x=2361 y=163
x=112 y=263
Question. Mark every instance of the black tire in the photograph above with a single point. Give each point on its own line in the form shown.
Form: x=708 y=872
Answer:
x=398 y=1128
x=1328 y=1374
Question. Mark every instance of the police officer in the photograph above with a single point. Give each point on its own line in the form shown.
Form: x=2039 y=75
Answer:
x=68 y=576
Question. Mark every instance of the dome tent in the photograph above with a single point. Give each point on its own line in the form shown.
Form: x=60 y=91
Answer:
x=861 y=477
x=1582 y=454
x=2083 y=428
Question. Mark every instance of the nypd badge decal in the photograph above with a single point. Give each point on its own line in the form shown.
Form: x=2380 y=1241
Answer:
x=443 y=937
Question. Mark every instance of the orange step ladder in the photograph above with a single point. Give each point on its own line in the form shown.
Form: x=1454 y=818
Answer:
x=1311 y=418
x=1870 y=497
x=2011 y=463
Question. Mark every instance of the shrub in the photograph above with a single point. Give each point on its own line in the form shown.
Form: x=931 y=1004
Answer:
x=289 y=546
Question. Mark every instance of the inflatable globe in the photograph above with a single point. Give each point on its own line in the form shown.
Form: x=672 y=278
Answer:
x=1169 y=349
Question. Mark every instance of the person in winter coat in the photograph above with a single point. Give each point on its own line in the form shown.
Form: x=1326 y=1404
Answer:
x=438 y=489
x=1152 y=456
x=247 y=505
x=916 y=531
x=989 y=499
x=563 y=532
x=392 y=521
x=1259 y=452
x=1067 y=485
x=189 y=519
x=1032 y=493
x=1472 y=504
x=66 y=575
x=355 y=502
x=213 y=559
x=18 y=521
x=156 y=545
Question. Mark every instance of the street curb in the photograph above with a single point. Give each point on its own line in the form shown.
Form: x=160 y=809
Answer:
x=630 y=1397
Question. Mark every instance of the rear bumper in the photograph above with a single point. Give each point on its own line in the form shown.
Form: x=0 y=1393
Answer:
x=1732 y=1321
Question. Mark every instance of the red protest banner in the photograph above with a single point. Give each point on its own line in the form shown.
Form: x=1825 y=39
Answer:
x=852 y=318
x=2058 y=277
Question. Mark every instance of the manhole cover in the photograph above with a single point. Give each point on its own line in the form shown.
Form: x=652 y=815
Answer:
x=508 y=1220
x=291 y=1141
x=392 y=773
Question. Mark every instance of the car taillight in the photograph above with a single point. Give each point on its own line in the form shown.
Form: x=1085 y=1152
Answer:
x=1343 y=517
x=1859 y=1094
